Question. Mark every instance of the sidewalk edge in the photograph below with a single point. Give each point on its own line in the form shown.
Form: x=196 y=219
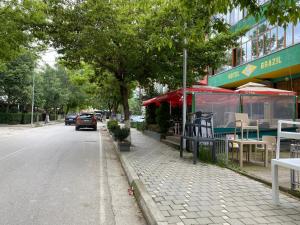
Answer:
x=150 y=211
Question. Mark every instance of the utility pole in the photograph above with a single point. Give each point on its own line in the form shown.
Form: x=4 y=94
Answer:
x=184 y=106
x=32 y=102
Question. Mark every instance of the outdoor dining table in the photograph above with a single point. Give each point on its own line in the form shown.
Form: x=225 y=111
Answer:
x=250 y=143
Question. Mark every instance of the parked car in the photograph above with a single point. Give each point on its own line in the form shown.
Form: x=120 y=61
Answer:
x=99 y=116
x=70 y=119
x=86 y=120
x=137 y=118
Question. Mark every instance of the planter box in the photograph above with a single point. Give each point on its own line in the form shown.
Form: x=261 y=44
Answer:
x=124 y=146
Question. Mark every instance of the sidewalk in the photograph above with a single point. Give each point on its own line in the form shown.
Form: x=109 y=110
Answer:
x=203 y=193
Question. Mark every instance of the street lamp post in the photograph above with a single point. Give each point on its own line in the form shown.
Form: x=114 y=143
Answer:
x=184 y=107
x=32 y=102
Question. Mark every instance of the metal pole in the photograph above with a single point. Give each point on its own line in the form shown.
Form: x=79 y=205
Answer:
x=184 y=89
x=32 y=102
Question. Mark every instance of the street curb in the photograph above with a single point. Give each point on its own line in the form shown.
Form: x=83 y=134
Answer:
x=149 y=209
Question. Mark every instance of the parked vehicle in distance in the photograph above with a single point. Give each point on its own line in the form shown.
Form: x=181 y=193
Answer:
x=70 y=119
x=99 y=116
x=86 y=120
x=137 y=118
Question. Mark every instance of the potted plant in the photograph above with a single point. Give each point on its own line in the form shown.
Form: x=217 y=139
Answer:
x=112 y=125
x=121 y=134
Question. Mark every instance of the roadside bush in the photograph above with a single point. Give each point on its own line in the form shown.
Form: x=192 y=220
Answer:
x=112 y=125
x=141 y=126
x=205 y=154
x=121 y=133
x=18 y=118
x=133 y=124
x=163 y=117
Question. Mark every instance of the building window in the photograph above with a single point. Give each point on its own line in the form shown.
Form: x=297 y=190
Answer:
x=280 y=37
x=260 y=45
x=273 y=39
x=267 y=40
x=238 y=56
x=297 y=33
x=289 y=35
x=254 y=48
x=249 y=50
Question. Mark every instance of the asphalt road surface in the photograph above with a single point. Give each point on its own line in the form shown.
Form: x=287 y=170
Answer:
x=56 y=175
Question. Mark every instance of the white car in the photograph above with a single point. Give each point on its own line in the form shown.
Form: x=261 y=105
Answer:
x=137 y=118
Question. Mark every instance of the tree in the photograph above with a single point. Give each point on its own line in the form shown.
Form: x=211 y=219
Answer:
x=143 y=40
x=20 y=27
x=16 y=81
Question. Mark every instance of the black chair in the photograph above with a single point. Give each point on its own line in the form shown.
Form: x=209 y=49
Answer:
x=199 y=132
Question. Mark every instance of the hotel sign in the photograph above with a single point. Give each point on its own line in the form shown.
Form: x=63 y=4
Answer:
x=269 y=64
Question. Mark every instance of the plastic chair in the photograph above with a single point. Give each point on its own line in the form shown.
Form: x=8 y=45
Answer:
x=271 y=145
x=242 y=121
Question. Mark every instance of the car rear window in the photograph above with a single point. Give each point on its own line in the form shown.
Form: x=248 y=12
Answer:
x=86 y=116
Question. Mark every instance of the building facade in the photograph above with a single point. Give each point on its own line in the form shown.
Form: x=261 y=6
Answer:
x=266 y=54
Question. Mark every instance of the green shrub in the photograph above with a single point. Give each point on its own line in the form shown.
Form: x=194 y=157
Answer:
x=150 y=114
x=122 y=133
x=133 y=124
x=18 y=118
x=141 y=126
x=112 y=125
x=205 y=153
x=163 y=117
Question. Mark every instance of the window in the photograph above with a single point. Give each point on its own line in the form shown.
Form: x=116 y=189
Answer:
x=244 y=53
x=238 y=56
x=260 y=45
x=267 y=39
x=254 y=48
x=262 y=27
x=273 y=39
x=289 y=35
x=280 y=40
x=297 y=33
x=249 y=50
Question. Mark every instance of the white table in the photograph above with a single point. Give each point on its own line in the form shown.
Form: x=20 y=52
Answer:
x=250 y=142
x=290 y=163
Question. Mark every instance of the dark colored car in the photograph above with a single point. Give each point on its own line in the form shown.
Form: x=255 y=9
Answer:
x=70 y=119
x=86 y=120
x=99 y=116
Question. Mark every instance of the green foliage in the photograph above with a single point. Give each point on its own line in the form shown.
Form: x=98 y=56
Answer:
x=112 y=125
x=163 y=117
x=151 y=114
x=18 y=118
x=141 y=126
x=20 y=26
x=121 y=133
x=205 y=154
x=16 y=81
x=135 y=106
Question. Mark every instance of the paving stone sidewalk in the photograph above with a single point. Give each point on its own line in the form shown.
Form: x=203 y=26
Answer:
x=204 y=193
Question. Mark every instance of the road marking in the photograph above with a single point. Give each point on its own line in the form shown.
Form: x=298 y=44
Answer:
x=102 y=208
x=13 y=153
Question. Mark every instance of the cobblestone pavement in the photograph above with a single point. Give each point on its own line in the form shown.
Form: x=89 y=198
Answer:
x=204 y=193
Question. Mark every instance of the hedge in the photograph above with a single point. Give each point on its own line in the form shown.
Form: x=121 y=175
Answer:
x=18 y=118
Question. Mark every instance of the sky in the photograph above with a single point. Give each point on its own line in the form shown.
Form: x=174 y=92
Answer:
x=48 y=57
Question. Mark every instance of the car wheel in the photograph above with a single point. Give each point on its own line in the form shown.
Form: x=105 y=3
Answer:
x=66 y=123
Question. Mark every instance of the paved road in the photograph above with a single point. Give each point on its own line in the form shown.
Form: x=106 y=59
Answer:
x=54 y=175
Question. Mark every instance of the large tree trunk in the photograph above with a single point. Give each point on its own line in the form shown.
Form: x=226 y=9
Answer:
x=124 y=94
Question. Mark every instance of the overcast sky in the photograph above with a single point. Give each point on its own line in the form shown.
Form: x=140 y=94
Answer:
x=48 y=57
